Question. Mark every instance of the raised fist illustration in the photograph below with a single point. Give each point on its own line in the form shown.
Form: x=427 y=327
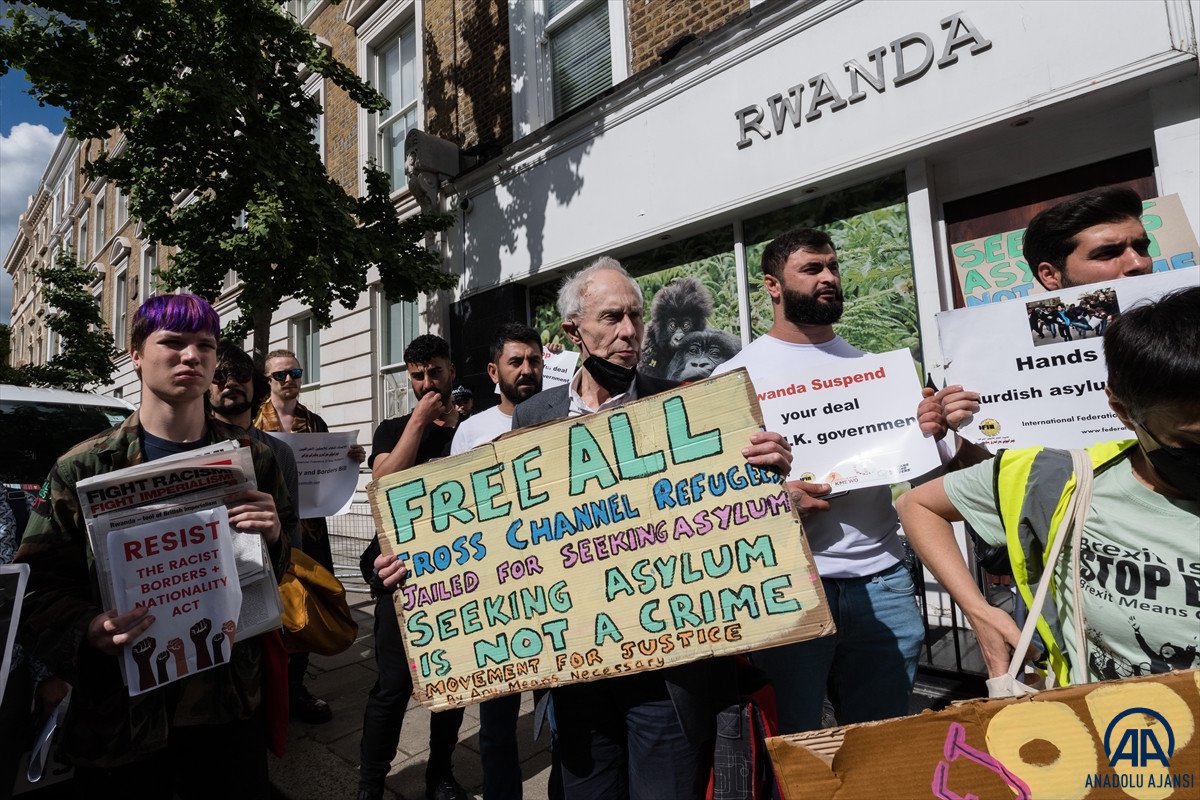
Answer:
x=160 y=661
x=175 y=648
x=218 y=655
x=199 y=634
x=229 y=628
x=143 y=651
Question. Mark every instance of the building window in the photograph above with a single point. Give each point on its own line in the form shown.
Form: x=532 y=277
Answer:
x=390 y=50
x=300 y=9
x=122 y=203
x=306 y=343
x=120 y=305
x=149 y=283
x=567 y=52
x=81 y=251
x=101 y=234
x=399 y=324
x=315 y=88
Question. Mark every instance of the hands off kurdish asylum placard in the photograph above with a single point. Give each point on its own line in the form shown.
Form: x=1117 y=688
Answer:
x=633 y=539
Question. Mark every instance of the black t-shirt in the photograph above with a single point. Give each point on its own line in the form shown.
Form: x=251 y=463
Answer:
x=435 y=443
x=154 y=447
x=435 y=440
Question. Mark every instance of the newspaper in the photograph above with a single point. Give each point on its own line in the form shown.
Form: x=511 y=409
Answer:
x=185 y=483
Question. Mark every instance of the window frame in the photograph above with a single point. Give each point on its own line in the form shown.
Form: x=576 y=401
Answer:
x=381 y=27
x=315 y=87
x=99 y=233
x=148 y=285
x=120 y=308
x=529 y=57
x=299 y=329
x=391 y=377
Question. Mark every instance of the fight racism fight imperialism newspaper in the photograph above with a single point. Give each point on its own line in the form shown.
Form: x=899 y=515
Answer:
x=183 y=485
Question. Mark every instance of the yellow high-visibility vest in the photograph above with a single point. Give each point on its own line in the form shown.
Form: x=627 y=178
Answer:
x=1033 y=487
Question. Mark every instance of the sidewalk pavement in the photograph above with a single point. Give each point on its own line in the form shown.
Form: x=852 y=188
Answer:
x=321 y=762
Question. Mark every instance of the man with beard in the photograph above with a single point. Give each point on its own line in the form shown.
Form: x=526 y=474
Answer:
x=868 y=666
x=400 y=443
x=648 y=734
x=1097 y=236
x=231 y=398
x=516 y=367
x=283 y=412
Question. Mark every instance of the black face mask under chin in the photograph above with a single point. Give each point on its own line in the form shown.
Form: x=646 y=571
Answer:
x=613 y=377
x=1179 y=467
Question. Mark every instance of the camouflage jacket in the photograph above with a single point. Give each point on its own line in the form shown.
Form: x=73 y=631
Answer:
x=105 y=727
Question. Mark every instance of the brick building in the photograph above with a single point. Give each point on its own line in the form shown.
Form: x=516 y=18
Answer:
x=680 y=137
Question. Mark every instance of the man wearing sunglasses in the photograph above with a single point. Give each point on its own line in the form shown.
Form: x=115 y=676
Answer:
x=284 y=412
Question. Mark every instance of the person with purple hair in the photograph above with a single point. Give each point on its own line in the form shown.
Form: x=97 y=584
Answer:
x=204 y=735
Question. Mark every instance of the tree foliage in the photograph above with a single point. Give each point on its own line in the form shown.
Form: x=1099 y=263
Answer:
x=216 y=151
x=87 y=357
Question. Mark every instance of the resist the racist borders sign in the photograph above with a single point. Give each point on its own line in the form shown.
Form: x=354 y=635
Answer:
x=595 y=546
x=1135 y=738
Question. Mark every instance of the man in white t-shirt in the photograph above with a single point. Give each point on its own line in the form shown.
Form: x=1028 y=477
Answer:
x=868 y=666
x=515 y=366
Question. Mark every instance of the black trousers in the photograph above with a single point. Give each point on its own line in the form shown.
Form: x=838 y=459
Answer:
x=386 y=703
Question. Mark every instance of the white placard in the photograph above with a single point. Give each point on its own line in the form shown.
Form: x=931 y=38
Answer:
x=558 y=368
x=1040 y=388
x=853 y=424
x=183 y=568
x=327 y=475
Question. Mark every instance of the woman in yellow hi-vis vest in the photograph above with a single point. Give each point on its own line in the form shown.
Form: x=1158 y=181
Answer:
x=1139 y=552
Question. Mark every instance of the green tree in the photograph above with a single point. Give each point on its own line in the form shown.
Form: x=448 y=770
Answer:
x=87 y=358
x=217 y=157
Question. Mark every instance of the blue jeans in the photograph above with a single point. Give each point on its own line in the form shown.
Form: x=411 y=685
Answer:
x=867 y=667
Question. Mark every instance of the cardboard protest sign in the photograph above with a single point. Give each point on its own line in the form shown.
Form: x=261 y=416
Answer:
x=1037 y=386
x=993 y=268
x=852 y=425
x=327 y=476
x=632 y=539
x=183 y=568
x=1135 y=738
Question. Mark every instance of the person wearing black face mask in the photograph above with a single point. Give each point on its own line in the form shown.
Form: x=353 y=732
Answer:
x=1140 y=544
x=652 y=731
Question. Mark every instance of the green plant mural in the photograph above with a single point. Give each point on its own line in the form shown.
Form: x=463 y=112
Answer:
x=707 y=257
x=869 y=226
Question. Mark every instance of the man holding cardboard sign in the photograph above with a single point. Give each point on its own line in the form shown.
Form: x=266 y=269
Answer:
x=645 y=735
x=869 y=665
